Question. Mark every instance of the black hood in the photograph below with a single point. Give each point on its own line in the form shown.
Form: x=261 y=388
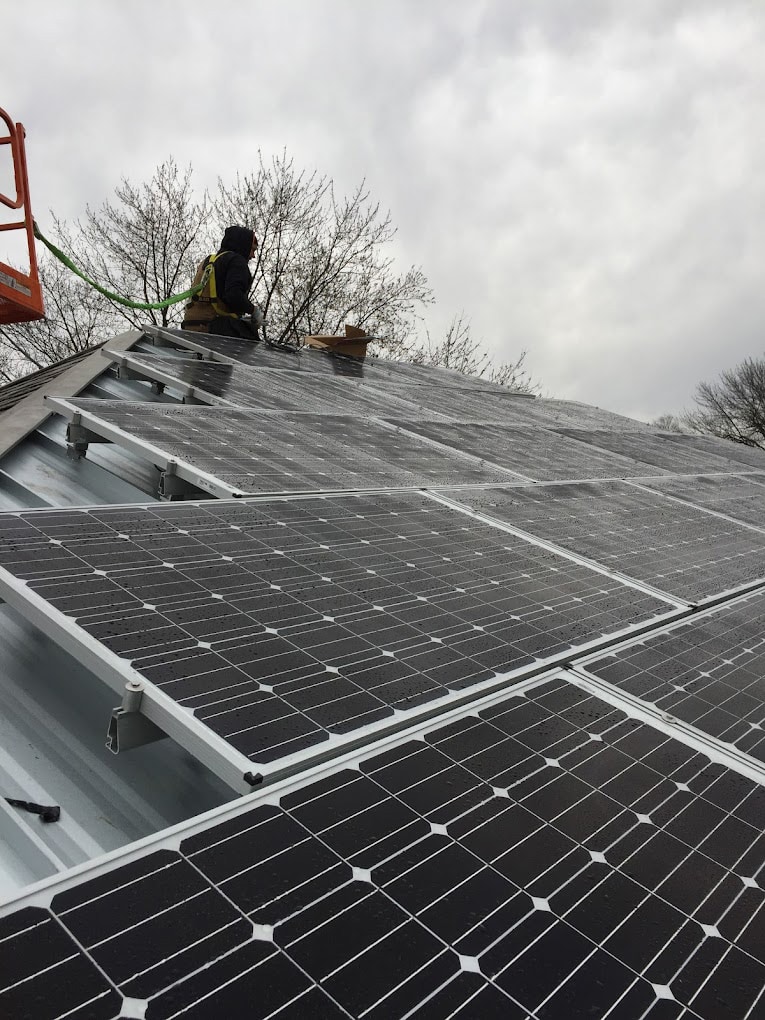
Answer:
x=237 y=239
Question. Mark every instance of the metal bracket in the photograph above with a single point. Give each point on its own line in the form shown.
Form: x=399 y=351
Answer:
x=172 y=487
x=157 y=387
x=156 y=339
x=124 y=371
x=77 y=439
x=128 y=728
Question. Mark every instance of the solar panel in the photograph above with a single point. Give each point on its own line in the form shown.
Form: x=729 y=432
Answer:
x=753 y=457
x=708 y=672
x=265 y=388
x=543 y=856
x=658 y=449
x=535 y=453
x=309 y=359
x=280 y=623
x=676 y=548
x=469 y=403
x=738 y=496
x=247 y=451
x=260 y=355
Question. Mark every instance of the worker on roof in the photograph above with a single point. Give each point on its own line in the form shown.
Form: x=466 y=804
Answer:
x=223 y=305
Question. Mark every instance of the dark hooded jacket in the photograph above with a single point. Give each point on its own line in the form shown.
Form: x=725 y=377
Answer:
x=232 y=278
x=232 y=274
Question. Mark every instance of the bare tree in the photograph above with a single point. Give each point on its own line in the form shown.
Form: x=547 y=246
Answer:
x=459 y=351
x=323 y=260
x=668 y=423
x=144 y=247
x=734 y=406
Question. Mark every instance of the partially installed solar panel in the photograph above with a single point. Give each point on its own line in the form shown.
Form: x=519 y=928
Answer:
x=739 y=496
x=543 y=855
x=276 y=625
x=244 y=451
x=673 y=454
x=708 y=672
x=536 y=453
x=677 y=548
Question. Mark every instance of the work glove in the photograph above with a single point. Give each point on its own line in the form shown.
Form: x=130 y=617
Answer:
x=257 y=318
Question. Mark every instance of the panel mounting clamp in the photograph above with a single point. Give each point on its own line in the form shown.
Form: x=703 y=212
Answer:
x=128 y=727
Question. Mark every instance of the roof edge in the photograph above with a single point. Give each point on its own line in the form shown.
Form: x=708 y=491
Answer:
x=31 y=411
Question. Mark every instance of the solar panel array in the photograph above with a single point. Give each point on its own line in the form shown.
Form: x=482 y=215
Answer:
x=510 y=767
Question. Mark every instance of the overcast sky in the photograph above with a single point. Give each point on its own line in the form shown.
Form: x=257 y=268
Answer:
x=583 y=177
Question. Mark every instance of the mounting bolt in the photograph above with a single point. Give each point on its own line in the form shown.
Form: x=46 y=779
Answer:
x=131 y=699
x=253 y=778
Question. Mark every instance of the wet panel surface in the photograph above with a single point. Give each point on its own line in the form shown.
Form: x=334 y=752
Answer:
x=709 y=672
x=538 y=454
x=676 y=548
x=735 y=495
x=657 y=449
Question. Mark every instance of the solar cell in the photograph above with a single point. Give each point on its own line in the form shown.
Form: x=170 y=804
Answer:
x=535 y=453
x=280 y=623
x=738 y=496
x=543 y=856
x=676 y=548
x=672 y=454
x=240 y=386
x=709 y=672
x=258 y=451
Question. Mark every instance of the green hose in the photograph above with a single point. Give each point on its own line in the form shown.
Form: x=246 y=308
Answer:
x=185 y=296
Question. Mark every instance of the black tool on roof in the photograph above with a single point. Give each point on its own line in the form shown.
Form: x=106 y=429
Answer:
x=47 y=812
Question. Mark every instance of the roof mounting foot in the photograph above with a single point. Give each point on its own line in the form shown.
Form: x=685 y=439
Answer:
x=77 y=439
x=125 y=372
x=172 y=487
x=152 y=334
x=157 y=387
x=128 y=728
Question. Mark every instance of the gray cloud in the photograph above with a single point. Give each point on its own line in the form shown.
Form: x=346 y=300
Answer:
x=583 y=179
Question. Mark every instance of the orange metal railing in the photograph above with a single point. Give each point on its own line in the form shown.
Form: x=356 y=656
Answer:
x=20 y=293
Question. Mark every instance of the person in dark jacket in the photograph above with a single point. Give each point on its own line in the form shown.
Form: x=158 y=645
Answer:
x=223 y=306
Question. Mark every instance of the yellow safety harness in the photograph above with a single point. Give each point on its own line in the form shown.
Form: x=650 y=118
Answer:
x=209 y=291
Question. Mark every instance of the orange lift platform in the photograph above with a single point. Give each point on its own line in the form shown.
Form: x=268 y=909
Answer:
x=21 y=297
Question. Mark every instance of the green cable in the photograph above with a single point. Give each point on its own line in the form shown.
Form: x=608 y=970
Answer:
x=107 y=293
